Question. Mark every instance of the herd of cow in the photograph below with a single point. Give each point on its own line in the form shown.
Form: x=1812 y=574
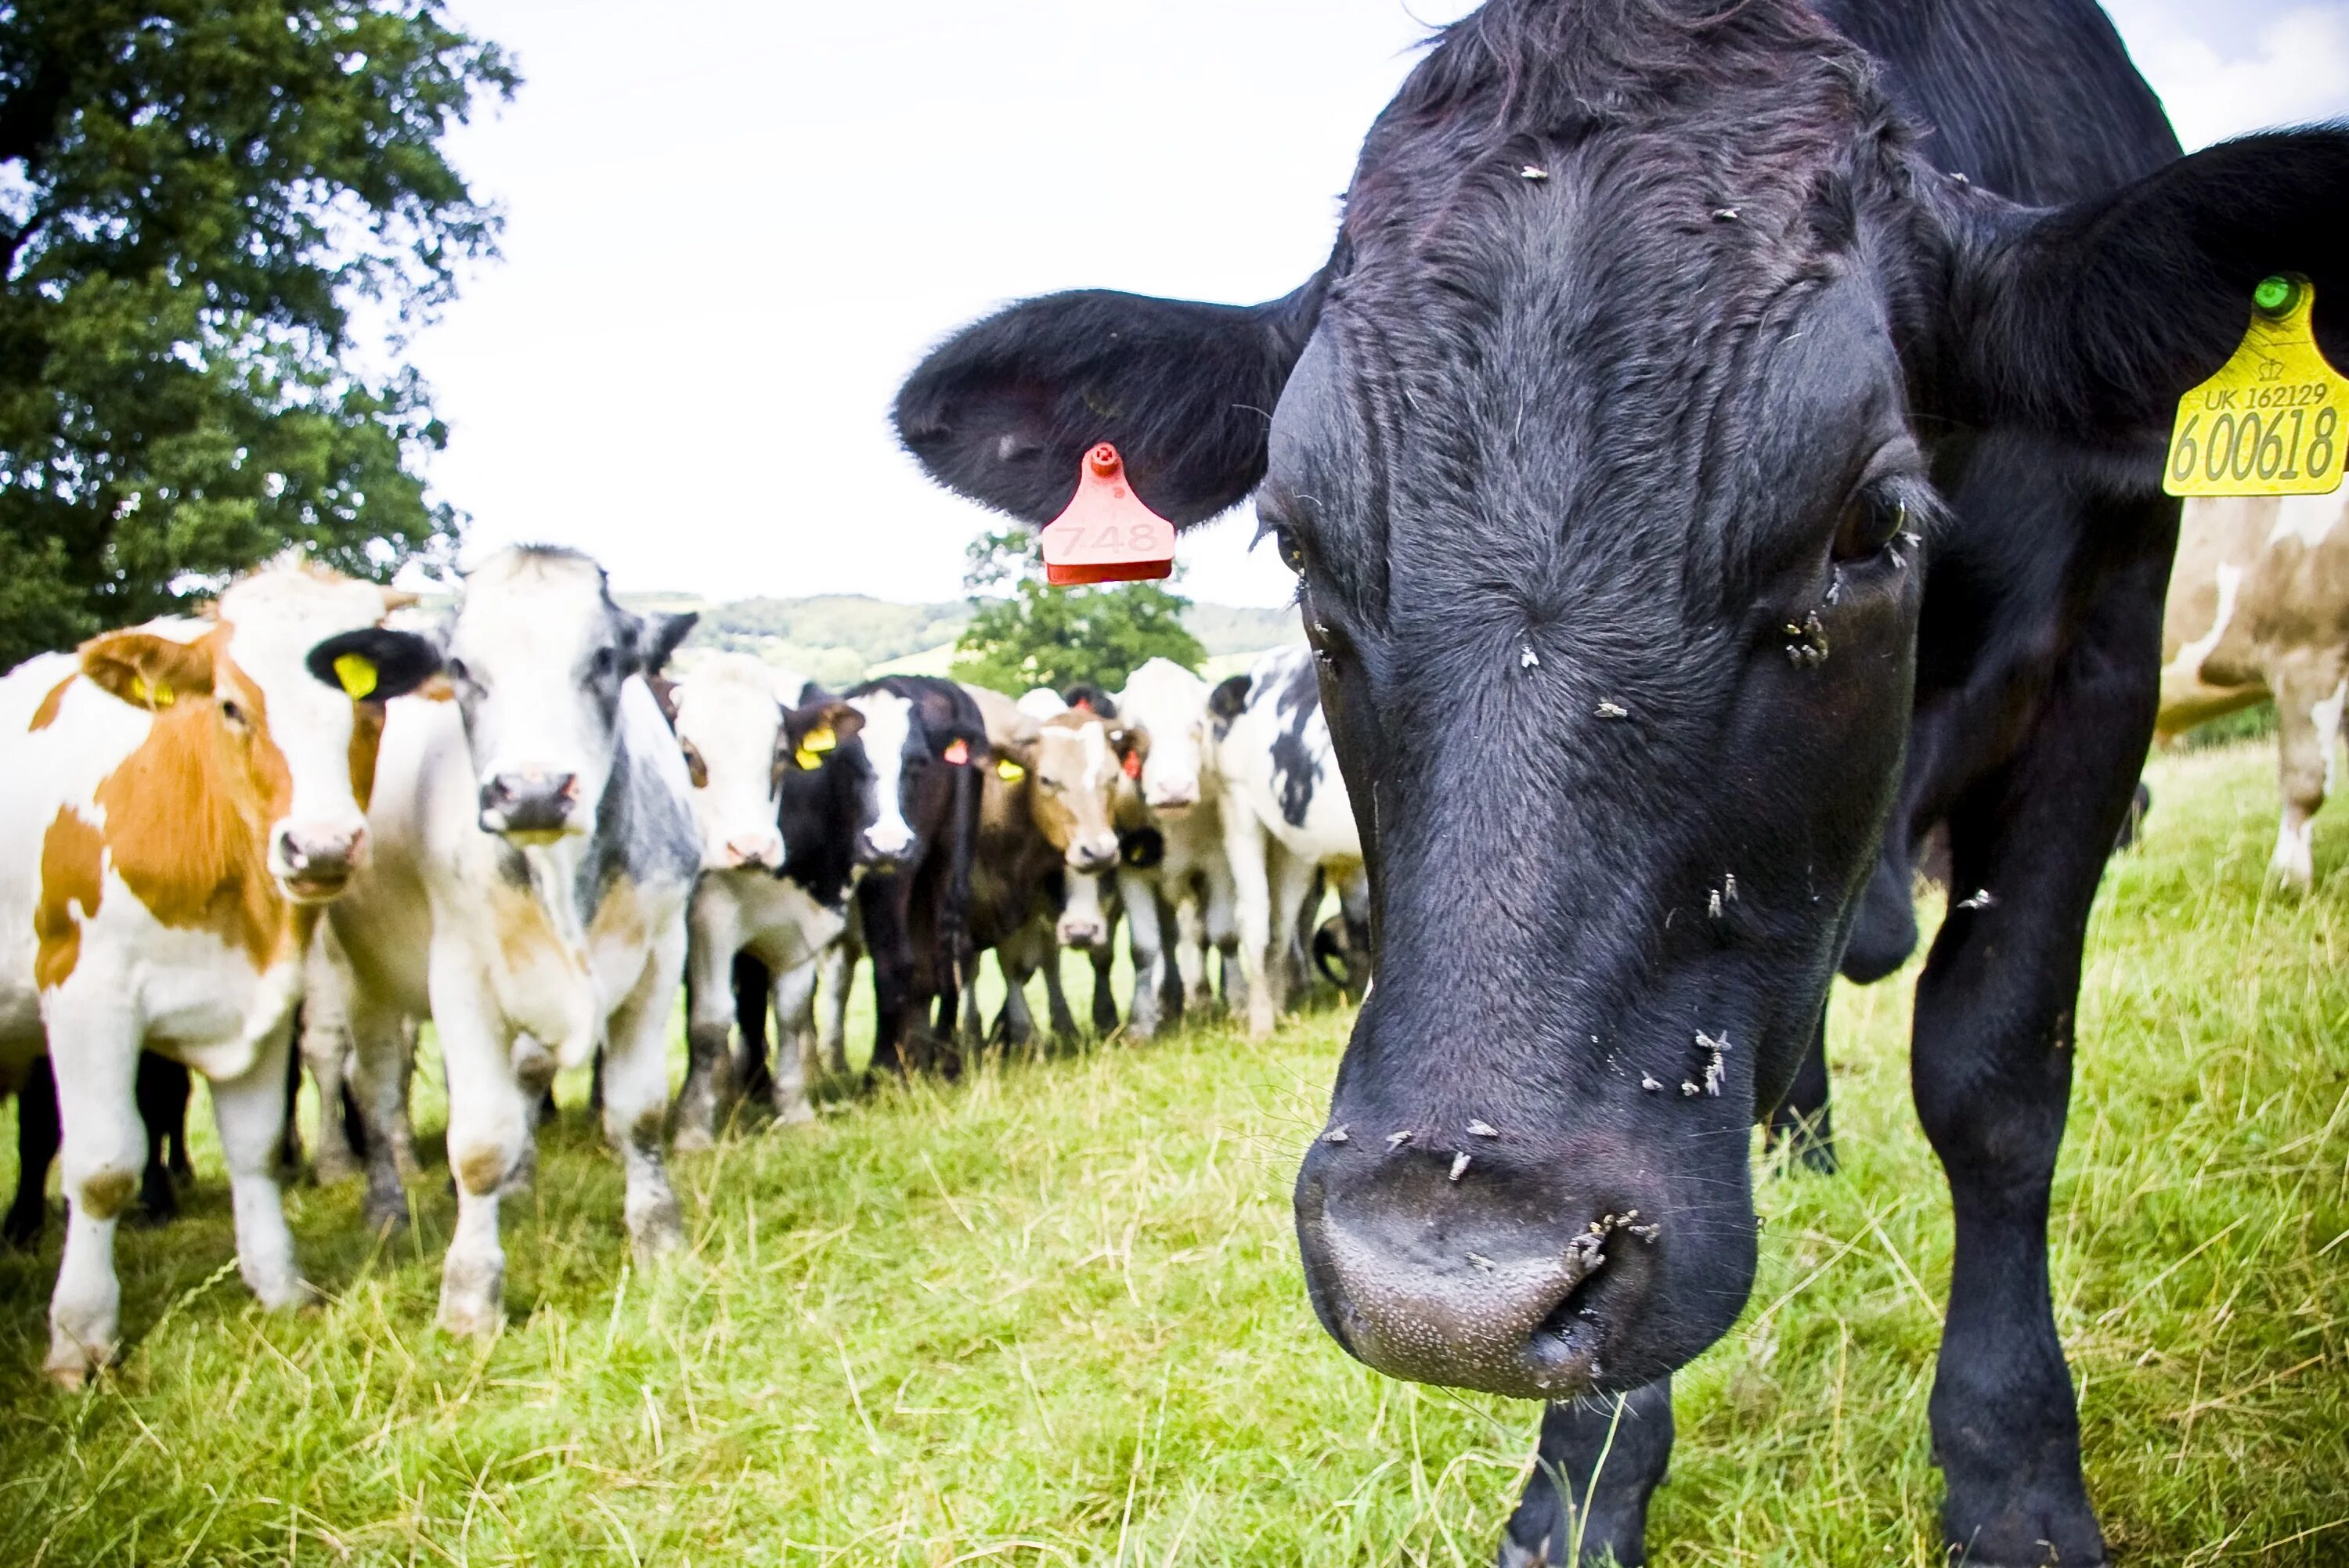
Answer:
x=514 y=826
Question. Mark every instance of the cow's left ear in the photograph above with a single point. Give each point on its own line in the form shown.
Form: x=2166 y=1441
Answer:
x=375 y=663
x=2092 y=320
x=1004 y=410
x=148 y=671
x=657 y=637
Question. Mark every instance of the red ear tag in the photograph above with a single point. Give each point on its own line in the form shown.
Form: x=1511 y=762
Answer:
x=1106 y=535
x=1133 y=765
x=959 y=752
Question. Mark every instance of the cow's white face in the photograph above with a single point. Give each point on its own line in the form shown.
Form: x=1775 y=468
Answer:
x=538 y=653
x=888 y=721
x=1169 y=704
x=272 y=620
x=730 y=722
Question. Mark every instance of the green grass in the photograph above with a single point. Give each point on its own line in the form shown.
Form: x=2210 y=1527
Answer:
x=1053 y=1315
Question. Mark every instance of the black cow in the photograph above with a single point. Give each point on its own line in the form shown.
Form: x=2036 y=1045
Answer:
x=924 y=742
x=1664 y=345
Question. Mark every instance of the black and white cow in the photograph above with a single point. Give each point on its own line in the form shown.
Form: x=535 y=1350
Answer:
x=1705 y=409
x=746 y=735
x=1287 y=824
x=534 y=852
x=923 y=743
x=1179 y=867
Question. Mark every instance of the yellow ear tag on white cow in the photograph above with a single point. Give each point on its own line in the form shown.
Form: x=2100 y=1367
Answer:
x=813 y=745
x=357 y=672
x=1010 y=772
x=2269 y=422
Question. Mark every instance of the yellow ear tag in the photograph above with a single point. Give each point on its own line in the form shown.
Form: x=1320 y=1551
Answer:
x=1010 y=772
x=357 y=672
x=2270 y=421
x=158 y=695
x=813 y=747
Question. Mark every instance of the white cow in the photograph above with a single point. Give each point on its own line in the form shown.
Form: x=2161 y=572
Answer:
x=535 y=851
x=175 y=800
x=1190 y=873
x=745 y=737
x=1286 y=816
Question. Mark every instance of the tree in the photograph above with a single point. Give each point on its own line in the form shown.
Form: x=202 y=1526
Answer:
x=1047 y=636
x=195 y=197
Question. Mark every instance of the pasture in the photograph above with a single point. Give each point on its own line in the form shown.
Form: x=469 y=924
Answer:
x=1053 y=1315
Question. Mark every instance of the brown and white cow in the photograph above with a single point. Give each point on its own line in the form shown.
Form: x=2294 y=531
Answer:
x=174 y=799
x=2258 y=608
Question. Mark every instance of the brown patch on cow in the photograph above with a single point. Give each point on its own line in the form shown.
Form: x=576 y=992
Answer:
x=188 y=813
x=481 y=1169
x=108 y=1193
x=46 y=714
x=366 y=740
x=436 y=688
x=73 y=867
x=645 y=1135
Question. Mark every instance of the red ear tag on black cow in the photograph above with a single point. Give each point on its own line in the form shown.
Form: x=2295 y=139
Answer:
x=957 y=751
x=1133 y=765
x=1106 y=535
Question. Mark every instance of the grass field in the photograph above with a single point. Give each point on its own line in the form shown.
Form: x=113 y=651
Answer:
x=1054 y=1316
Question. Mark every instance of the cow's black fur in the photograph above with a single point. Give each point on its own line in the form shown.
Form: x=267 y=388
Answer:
x=916 y=920
x=1662 y=357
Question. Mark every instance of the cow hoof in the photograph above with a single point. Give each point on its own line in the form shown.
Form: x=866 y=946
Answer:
x=2057 y=1532
x=470 y=1319
x=72 y=1364
x=283 y=1295
x=796 y=1115
x=692 y=1138
x=333 y=1170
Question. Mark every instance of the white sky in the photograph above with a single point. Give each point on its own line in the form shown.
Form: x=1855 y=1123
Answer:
x=733 y=226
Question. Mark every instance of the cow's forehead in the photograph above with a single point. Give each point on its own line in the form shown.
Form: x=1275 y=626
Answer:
x=1071 y=744
x=730 y=695
x=888 y=721
x=536 y=602
x=283 y=612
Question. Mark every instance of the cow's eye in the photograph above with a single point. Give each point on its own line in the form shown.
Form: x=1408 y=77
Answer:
x=232 y=712
x=1291 y=554
x=1872 y=521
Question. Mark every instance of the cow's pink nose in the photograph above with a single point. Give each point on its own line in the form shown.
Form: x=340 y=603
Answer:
x=1174 y=797
x=313 y=856
x=755 y=849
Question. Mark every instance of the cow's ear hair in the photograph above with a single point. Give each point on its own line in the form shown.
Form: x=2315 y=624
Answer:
x=1089 y=698
x=658 y=632
x=1003 y=410
x=2092 y=320
x=826 y=713
x=1229 y=700
x=146 y=670
x=375 y=663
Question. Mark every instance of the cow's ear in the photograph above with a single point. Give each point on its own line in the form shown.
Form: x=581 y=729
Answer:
x=657 y=637
x=1229 y=700
x=1086 y=697
x=1003 y=410
x=375 y=663
x=831 y=724
x=2092 y=320
x=148 y=671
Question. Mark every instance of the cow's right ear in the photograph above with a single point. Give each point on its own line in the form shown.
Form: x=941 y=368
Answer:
x=1229 y=700
x=375 y=663
x=1004 y=410
x=148 y=671
x=813 y=733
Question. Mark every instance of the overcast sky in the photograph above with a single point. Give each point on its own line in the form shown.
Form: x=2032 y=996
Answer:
x=733 y=225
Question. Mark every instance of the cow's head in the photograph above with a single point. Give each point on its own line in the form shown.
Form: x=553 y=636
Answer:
x=1602 y=448
x=1168 y=704
x=537 y=653
x=1078 y=763
x=914 y=752
x=729 y=715
x=300 y=758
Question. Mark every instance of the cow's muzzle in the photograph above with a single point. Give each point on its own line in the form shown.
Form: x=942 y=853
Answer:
x=1430 y=1268
x=1091 y=856
x=530 y=807
x=316 y=863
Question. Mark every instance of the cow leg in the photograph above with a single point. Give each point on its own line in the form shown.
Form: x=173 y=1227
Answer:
x=1600 y=1459
x=1144 y=939
x=37 y=1136
x=1802 y=1119
x=163 y=1091
x=1046 y=951
x=289 y=1132
x=794 y=1003
x=1105 y=957
x=839 y=973
x=490 y=1116
x=250 y=1112
x=1246 y=847
x=1191 y=944
x=709 y=1024
x=1991 y=1068
x=381 y=1062
x=635 y=1100
x=326 y=1051
x=883 y=902
x=1297 y=887
x=752 y=987
x=2310 y=687
x=1015 y=960
x=94 y=1059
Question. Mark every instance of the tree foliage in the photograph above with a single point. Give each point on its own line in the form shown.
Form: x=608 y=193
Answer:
x=195 y=198
x=1038 y=635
